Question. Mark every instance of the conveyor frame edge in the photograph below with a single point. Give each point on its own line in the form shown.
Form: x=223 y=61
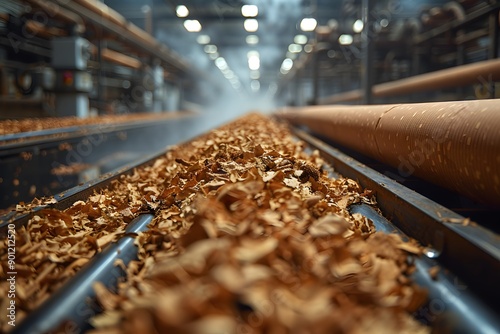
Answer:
x=470 y=251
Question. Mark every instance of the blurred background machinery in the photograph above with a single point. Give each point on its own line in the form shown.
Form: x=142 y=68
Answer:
x=157 y=55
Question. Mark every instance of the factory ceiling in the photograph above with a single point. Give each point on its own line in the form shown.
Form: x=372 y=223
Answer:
x=247 y=57
x=254 y=55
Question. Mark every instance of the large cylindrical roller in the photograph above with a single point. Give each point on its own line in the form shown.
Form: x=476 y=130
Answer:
x=453 y=144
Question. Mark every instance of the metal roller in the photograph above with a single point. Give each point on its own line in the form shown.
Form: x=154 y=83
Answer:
x=453 y=144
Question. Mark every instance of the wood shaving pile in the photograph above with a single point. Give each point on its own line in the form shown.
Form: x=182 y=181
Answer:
x=250 y=235
x=12 y=126
x=69 y=169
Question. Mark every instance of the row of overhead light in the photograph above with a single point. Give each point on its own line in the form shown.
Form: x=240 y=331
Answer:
x=307 y=24
x=190 y=25
x=251 y=25
x=212 y=52
x=347 y=39
x=357 y=27
x=210 y=49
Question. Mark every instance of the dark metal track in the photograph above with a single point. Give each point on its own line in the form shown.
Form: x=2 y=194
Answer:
x=470 y=251
x=450 y=304
x=73 y=304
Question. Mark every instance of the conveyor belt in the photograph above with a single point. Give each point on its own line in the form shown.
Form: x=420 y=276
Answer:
x=462 y=298
x=74 y=299
x=28 y=160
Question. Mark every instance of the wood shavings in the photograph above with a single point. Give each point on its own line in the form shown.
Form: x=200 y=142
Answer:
x=461 y=221
x=247 y=227
x=433 y=272
x=265 y=235
x=328 y=225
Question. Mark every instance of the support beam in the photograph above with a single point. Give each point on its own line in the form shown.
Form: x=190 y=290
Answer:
x=367 y=51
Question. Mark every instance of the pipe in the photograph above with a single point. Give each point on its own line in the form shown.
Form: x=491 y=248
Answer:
x=103 y=10
x=110 y=14
x=120 y=59
x=447 y=78
x=453 y=144
x=57 y=11
x=41 y=30
x=456 y=9
x=141 y=34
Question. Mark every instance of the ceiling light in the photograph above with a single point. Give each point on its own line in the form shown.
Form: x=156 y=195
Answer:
x=182 y=11
x=273 y=88
x=210 y=48
x=287 y=64
x=357 y=27
x=384 y=23
x=333 y=24
x=213 y=56
x=253 y=53
x=203 y=39
x=308 y=24
x=308 y=48
x=252 y=39
x=251 y=25
x=255 y=85
x=192 y=25
x=300 y=39
x=295 y=48
x=345 y=39
x=253 y=63
x=221 y=63
x=254 y=75
x=249 y=10
x=229 y=74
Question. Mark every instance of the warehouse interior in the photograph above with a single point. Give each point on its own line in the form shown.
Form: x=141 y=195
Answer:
x=400 y=96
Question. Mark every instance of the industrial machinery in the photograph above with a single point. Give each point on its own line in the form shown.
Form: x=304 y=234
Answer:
x=378 y=119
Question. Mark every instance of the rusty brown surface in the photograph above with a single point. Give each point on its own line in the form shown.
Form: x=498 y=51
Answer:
x=453 y=144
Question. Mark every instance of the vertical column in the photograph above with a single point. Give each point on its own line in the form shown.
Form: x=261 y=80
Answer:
x=493 y=49
x=296 y=95
x=73 y=81
x=460 y=61
x=159 y=88
x=315 y=78
x=367 y=49
x=100 y=74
